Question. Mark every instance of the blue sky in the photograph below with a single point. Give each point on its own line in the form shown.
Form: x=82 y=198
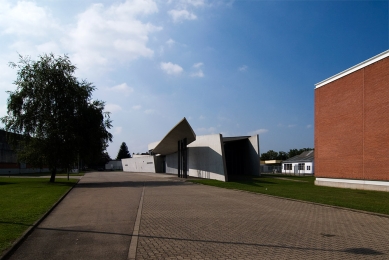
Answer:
x=230 y=67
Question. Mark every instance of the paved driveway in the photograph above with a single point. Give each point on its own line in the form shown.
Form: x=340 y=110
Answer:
x=179 y=220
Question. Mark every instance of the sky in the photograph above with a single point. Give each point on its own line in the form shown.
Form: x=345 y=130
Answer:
x=231 y=67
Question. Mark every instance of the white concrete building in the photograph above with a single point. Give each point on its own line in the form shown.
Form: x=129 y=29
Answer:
x=183 y=153
x=114 y=165
x=300 y=164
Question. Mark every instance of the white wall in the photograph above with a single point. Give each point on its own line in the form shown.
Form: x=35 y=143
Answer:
x=171 y=163
x=254 y=155
x=139 y=164
x=206 y=158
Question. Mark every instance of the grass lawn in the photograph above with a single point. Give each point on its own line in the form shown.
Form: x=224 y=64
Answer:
x=23 y=201
x=303 y=188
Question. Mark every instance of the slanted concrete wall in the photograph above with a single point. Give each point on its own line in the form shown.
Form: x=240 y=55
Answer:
x=253 y=155
x=139 y=164
x=206 y=158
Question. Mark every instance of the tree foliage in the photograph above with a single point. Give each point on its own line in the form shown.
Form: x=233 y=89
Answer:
x=281 y=155
x=53 y=113
x=123 y=152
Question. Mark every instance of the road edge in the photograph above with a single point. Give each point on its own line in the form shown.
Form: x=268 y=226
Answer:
x=7 y=253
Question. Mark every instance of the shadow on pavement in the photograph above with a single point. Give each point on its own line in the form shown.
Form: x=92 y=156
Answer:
x=130 y=184
x=364 y=251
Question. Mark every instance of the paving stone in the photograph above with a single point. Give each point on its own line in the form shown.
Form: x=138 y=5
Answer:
x=182 y=220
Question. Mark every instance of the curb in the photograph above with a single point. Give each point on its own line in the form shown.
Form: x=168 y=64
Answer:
x=7 y=253
x=304 y=201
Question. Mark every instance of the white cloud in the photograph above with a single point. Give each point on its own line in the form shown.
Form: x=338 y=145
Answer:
x=290 y=126
x=243 y=68
x=180 y=15
x=149 y=111
x=198 y=65
x=202 y=117
x=258 y=132
x=170 y=68
x=136 y=107
x=198 y=74
x=185 y=3
x=100 y=36
x=170 y=42
x=122 y=88
x=26 y=19
x=309 y=126
x=112 y=108
x=117 y=130
x=104 y=34
x=196 y=3
x=29 y=29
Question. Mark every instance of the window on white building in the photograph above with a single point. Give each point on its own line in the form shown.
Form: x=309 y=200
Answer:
x=287 y=166
x=308 y=167
x=301 y=166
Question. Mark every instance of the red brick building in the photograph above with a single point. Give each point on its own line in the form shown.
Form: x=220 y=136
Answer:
x=352 y=127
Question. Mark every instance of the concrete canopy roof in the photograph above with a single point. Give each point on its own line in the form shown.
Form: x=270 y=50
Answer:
x=169 y=144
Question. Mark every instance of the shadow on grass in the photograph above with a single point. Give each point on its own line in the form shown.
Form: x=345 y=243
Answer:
x=6 y=183
x=15 y=223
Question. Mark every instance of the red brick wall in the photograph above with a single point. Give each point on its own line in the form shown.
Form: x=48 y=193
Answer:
x=352 y=125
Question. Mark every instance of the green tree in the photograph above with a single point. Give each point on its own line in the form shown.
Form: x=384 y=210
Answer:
x=294 y=152
x=282 y=156
x=269 y=155
x=123 y=152
x=56 y=121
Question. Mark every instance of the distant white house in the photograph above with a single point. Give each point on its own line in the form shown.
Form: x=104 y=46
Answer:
x=114 y=165
x=299 y=164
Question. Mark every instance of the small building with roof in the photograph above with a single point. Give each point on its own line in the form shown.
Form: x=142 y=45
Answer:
x=183 y=153
x=301 y=164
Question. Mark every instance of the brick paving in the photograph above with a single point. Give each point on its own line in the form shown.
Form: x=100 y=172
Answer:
x=189 y=221
x=182 y=220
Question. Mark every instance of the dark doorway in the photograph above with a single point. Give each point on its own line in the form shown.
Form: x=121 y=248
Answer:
x=236 y=154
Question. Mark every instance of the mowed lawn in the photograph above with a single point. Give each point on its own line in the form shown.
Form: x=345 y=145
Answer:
x=303 y=188
x=23 y=201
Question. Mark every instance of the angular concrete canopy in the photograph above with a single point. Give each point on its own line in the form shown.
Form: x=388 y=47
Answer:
x=168 y=144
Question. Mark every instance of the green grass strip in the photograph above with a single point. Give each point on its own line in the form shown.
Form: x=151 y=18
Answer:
x=303 y=188
x=23 y=201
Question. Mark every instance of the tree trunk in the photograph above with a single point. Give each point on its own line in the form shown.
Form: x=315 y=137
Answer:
x=53 y=172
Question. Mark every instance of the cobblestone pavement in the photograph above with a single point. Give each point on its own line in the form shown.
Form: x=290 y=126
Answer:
x=189 y=221
x=181 y=220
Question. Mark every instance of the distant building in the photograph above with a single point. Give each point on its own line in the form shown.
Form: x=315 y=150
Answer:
x=271 y=166
x=183 y=153
x=114 y=166
x=9 y=161
x=301 y=164
x=352 y=127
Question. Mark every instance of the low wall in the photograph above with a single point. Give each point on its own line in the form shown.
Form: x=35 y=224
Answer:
x=353 y=184
x=139 y=164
